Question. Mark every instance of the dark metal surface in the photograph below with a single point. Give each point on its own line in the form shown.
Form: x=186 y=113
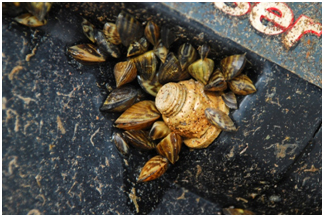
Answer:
x=58 y=156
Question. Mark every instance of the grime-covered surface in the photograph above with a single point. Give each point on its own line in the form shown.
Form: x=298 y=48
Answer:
x=57 y=153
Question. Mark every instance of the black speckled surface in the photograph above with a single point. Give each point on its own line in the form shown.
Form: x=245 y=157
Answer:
x=57 y=153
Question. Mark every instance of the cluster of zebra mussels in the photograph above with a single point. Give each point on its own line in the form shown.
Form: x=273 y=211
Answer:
x=189 y=93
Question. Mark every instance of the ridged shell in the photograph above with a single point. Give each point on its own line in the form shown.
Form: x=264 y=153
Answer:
x=170 y=147
x=146 y=65
x=159 y=130
x=220 y=119
x=125 y=72
x=151 y=87
x=39 y=9
x=30 y=20
x=88 y=29
x=129 y=28
x=160 y=51
x=230 y=100
x=86 y=53
x=137 y=47
x=237 y=211
x=167 y=36
x=232 y=66
x=187 y=55
x=203 y=51
x=242 y=85
x=120 y=99
x=139 y=139
x=201 y=70
x=153 y=169
x=104 y=45
x=121 y=144
x=170 y=70
x=139 y=116
x=216 y=82
x=111 y=33
x=152 y=32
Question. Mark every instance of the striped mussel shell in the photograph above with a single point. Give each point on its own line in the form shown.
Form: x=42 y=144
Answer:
x=237 y=211
x=125 y=72
x=201 y=70
x=170 y=70
x=39 y=9
x=220 y=119
x=230 y=100
x=152 y=32
x=170 y=147
x=120 y=99
x=242 y=85
x=88 y=29
x=146 y=65
x=161 y=51
x=167 y=36
x=139 y=116
x=30 y=20
x=203 y=51
x=104 y=45
x=86 y=53
x=151 y=87
x=216 y=82
x=139 y=139
x=137 y=47
x=187 y=55
x=159 y=130
x=129 y=28
x=153 y=169
x=232 y=66
x=120 y=144
x=111 y=33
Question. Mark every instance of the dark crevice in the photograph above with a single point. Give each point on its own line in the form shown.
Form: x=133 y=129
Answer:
x=318 y=129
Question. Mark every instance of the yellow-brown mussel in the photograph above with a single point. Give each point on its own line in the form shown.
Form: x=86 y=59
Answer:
x=220 y=119
x=242 y=85
x=121 y=144
x=111 y=33
x=30 y=20
x=137 y=47
x=120 y=99
x=187 y=55
x=170 y=70
x=86 y=53
x=170 y=147
x=160 y=51
x=125 y=72
x=39 y=9
x=153 y=169
x=230 y=100
x=232 y=66
x=216 y=82
x=146 y=65
x=88 y=29
x=129 y=28
x=201 y=69
x=104 y=45
x=159 y=130
x=150 y=86
x=237 y=211
x=152 y=32
x=139 y=116
x=139 y=139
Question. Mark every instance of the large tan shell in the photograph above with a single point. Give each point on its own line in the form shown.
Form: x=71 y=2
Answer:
x=183 y=106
